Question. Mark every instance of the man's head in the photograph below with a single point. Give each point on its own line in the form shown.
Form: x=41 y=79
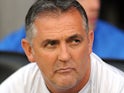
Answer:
x=92 y=8
x=59 y=41
x=50 y=9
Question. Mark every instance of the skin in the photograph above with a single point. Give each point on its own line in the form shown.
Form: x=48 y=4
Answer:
x=92 y=8
x=61 y=48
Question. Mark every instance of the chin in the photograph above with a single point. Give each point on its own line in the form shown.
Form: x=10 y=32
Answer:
x=66 y=84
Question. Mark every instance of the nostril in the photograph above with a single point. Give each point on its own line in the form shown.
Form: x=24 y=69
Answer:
x=64 y=55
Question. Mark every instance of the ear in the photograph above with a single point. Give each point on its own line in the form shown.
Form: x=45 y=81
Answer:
x=91 y=39
x=28 y=50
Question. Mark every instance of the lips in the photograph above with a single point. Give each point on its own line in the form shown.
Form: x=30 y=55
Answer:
x=64 y=70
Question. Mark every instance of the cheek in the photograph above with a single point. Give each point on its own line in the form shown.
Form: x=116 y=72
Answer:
x=82 y=52
x=82 y=62
x=46 y=62
x=81 y=56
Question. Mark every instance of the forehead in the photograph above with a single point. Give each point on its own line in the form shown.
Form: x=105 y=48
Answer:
x=63 y=23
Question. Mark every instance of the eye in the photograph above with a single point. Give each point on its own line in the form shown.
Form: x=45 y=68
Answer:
x=75 y=42
x=50 y=44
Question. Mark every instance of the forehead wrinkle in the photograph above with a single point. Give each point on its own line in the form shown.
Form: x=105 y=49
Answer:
x=64 y=24
x=58 y=20
x=57 y=27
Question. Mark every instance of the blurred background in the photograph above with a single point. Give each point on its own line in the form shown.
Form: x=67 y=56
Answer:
x=113 y=12
x=12 y=14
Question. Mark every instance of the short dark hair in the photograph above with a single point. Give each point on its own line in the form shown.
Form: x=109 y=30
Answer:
x=51 y=6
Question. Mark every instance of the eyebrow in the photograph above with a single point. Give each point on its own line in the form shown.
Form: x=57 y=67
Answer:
x=57 y=41
x=75 y=36
x=49 y=41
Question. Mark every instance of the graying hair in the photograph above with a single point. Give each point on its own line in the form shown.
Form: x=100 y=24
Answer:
x=54 y=7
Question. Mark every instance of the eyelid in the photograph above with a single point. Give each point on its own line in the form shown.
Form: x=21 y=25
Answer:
x=75 y=41
x=50 y=42
x=75 y=37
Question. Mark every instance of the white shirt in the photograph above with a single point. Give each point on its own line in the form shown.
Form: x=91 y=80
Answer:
x=103 y=79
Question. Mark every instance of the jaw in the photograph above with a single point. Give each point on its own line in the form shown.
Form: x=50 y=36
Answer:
x=67 y=84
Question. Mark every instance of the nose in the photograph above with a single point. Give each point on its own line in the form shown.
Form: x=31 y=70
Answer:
x=64 y=54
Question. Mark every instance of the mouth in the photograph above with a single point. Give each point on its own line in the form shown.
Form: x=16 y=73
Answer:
x=64 y=70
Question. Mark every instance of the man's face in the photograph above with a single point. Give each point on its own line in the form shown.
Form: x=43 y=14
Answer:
x=62 y=48
x=92 y=8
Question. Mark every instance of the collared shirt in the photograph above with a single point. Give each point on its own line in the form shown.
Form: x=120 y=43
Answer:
x=104 y=78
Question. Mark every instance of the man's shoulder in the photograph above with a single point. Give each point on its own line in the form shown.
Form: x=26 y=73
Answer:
x=103 y=26
x=29 y=78
x=105 y=67
x=107 y=39
x=108 y=78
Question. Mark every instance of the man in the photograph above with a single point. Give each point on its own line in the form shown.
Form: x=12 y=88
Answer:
x=108 y=41
x=60 y=48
